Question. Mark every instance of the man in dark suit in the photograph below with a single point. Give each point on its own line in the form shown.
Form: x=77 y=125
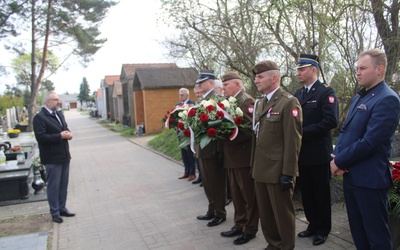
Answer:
x=362 y=153
x=277 y=120
x=237 y=155
x=320 y=116
x=187 y=154
x=212 y=170
x=52 y=135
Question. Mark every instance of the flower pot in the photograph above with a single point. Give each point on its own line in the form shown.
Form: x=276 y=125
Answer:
x=14 y=135
x=21 y=127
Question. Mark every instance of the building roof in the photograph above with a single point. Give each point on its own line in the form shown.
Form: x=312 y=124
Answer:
x=117 y=88
x=128 y=70
x=155 y=78
x=110 y=79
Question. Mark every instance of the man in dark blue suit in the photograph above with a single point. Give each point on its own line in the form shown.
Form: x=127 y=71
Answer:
x=320 y=116
x=187 y=154
x=52 y=135
x=363 y=150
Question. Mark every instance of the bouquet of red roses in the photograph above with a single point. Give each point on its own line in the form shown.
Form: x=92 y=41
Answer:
x=394 y=192
x=171 y=119
x=168 y=121
x=217 y=118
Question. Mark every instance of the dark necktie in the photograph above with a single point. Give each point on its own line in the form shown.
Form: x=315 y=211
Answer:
x=58 y=119
x=305 y=92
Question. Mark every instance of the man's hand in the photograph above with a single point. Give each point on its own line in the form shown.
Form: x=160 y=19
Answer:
x=286 y=182
x=335 y=170
x=66 y=135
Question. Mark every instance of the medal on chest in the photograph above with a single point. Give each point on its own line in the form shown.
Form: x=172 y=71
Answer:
x=269 y=112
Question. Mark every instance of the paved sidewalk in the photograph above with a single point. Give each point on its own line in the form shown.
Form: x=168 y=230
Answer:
x=128 y=197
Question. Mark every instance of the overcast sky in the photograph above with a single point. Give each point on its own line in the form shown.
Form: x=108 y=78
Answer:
x=133 y=36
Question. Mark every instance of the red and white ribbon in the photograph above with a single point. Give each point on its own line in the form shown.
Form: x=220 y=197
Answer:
x=229 y=118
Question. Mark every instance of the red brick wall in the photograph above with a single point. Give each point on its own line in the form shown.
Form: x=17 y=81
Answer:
x=138 y=107
x=156 y=103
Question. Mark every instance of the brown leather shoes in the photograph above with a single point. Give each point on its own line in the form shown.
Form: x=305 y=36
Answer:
x=184 y=176
x=192 y=177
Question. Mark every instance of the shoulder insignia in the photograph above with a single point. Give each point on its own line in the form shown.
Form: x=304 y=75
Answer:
x=250 y=109
x=295 y=112
x=326 y=85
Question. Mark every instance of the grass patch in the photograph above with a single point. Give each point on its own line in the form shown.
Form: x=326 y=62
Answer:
x=118 y=128
x=167 y=143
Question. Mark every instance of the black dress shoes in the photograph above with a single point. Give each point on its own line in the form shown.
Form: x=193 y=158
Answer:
x=243 y=239
x=197 y=181
x=216 y=221
x=67 y=213
x=318 y=240
x=233 y=232
x=205 y=217
x=56 y=218
x=305 y=234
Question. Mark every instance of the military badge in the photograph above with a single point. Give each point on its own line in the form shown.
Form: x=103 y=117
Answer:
x=250 y=109
x=331 y=99
x=295 y=112
x=269 y=112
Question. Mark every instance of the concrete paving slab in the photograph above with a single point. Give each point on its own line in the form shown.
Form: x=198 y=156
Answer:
x=34 y=241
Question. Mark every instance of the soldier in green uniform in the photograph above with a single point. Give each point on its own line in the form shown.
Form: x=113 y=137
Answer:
x=237 y=155
x=212 y=170
x=277 y=122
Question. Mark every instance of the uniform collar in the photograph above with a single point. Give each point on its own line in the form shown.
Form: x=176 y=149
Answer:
x=269 y=96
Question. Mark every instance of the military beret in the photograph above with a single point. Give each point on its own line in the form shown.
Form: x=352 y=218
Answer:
x=230 y=75
x=205 y=76
x=307 y=60
x=264 y=66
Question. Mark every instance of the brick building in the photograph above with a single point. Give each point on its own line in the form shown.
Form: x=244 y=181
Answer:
x=156 y=90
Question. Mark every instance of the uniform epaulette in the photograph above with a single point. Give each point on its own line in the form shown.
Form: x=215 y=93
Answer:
x=299 y=89
x=288 y=95
x=260 y=96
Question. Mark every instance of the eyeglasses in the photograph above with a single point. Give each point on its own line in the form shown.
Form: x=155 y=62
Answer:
x=55 y=99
